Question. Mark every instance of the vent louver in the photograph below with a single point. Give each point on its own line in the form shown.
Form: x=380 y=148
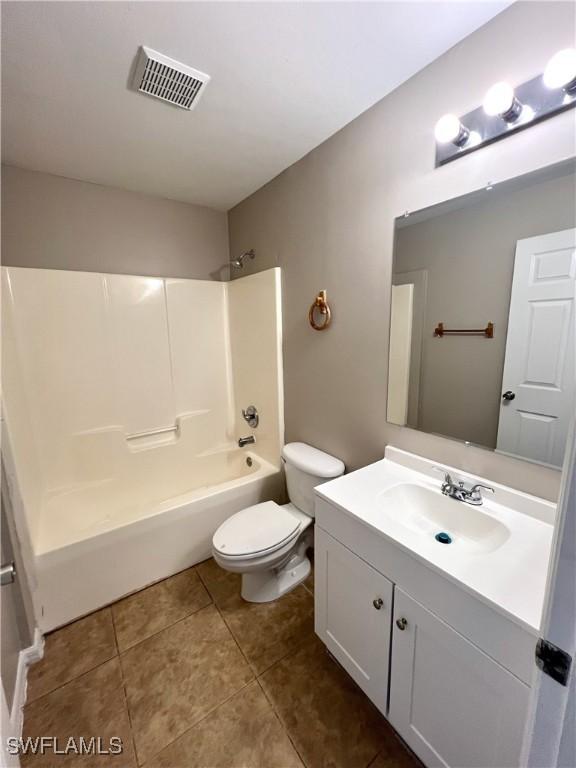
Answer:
x=162 y=77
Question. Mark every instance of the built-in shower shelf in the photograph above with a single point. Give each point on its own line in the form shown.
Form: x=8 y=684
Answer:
x=153 y=432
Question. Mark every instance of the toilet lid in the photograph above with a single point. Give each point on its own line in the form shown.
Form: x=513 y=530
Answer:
x=256 y=529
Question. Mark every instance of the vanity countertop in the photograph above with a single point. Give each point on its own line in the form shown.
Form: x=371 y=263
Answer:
x=500 y=550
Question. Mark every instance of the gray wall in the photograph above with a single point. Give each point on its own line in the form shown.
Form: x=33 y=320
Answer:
x=469 y=256
x=328 y=221
x=56 y=223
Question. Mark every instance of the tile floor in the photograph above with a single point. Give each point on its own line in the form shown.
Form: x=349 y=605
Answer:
x=189 y=675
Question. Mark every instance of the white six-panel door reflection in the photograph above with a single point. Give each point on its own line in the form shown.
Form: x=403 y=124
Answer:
x=539 y=377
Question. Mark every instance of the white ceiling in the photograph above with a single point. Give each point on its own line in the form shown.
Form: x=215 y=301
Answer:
x=285 y=76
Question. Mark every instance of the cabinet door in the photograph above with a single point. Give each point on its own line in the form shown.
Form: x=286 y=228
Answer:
x=453 y=704
x=353 y=615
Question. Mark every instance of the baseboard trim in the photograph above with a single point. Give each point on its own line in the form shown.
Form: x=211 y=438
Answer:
x=26 y=657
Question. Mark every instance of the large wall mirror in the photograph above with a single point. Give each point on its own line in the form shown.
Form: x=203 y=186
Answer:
x=482 y=332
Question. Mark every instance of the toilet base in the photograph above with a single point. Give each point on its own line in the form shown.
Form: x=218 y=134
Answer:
x=265 y=586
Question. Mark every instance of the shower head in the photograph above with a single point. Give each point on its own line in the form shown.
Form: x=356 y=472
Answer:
x=239 y=261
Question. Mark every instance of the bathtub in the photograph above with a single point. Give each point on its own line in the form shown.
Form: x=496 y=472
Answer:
x=103 y=540
x=122 y=398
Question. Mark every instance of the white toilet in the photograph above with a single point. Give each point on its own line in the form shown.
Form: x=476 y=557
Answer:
x=267 y=543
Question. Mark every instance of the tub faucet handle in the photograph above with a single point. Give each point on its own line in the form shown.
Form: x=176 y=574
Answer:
x=250 y=416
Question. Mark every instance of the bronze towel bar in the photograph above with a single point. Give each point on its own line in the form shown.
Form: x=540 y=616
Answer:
x=488 y=332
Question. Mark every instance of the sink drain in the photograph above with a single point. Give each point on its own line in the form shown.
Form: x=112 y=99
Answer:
x=443 y=537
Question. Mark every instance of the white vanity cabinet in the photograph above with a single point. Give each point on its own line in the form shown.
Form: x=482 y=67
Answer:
x=450 y=702
x=353 y=615
x=440 y=635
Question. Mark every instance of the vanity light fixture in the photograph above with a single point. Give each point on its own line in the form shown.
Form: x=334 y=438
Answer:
x=507 y=109
x=500 y=101
x=450 y=130
x=560 y=71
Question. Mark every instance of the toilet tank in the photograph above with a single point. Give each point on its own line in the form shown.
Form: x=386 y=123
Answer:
x=306 y=467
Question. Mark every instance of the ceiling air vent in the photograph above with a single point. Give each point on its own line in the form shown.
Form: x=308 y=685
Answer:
x=166 y=79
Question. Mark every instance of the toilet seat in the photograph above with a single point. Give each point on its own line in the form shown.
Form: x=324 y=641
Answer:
x=256 y=531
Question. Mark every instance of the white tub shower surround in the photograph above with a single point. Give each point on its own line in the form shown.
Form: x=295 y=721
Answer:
x=122 y=398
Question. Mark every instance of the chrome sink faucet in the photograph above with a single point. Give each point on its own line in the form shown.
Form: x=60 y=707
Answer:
x=470 y=494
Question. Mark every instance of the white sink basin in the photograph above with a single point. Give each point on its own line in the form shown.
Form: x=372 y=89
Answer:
x=428 y=513
x=499 y=550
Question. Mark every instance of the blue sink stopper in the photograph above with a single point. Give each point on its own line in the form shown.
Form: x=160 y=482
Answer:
x=443 y=537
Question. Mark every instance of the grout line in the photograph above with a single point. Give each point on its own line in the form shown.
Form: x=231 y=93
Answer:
x=373 y=759
x=204 y=583
x=167 y=626
x=115 y=632
x=298 y=644
x=308 y=589
x=281 y=721
x=233 y=636
x=128 y=713
x=250 y=663
x=244 y=656
x=154 y=584
x=201 y=720
x=132 y=733
x=72 y=680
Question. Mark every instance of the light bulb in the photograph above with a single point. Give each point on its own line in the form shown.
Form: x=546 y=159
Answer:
x=500 y=101
x=560 y=71
x=450 y=130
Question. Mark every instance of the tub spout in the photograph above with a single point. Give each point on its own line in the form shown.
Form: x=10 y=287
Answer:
x=250 y=440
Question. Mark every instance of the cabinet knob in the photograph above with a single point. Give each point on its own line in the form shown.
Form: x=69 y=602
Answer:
x=401 y=623
x=378 y=603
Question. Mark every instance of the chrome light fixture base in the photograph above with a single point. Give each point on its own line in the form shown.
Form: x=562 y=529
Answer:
x=533 y=102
